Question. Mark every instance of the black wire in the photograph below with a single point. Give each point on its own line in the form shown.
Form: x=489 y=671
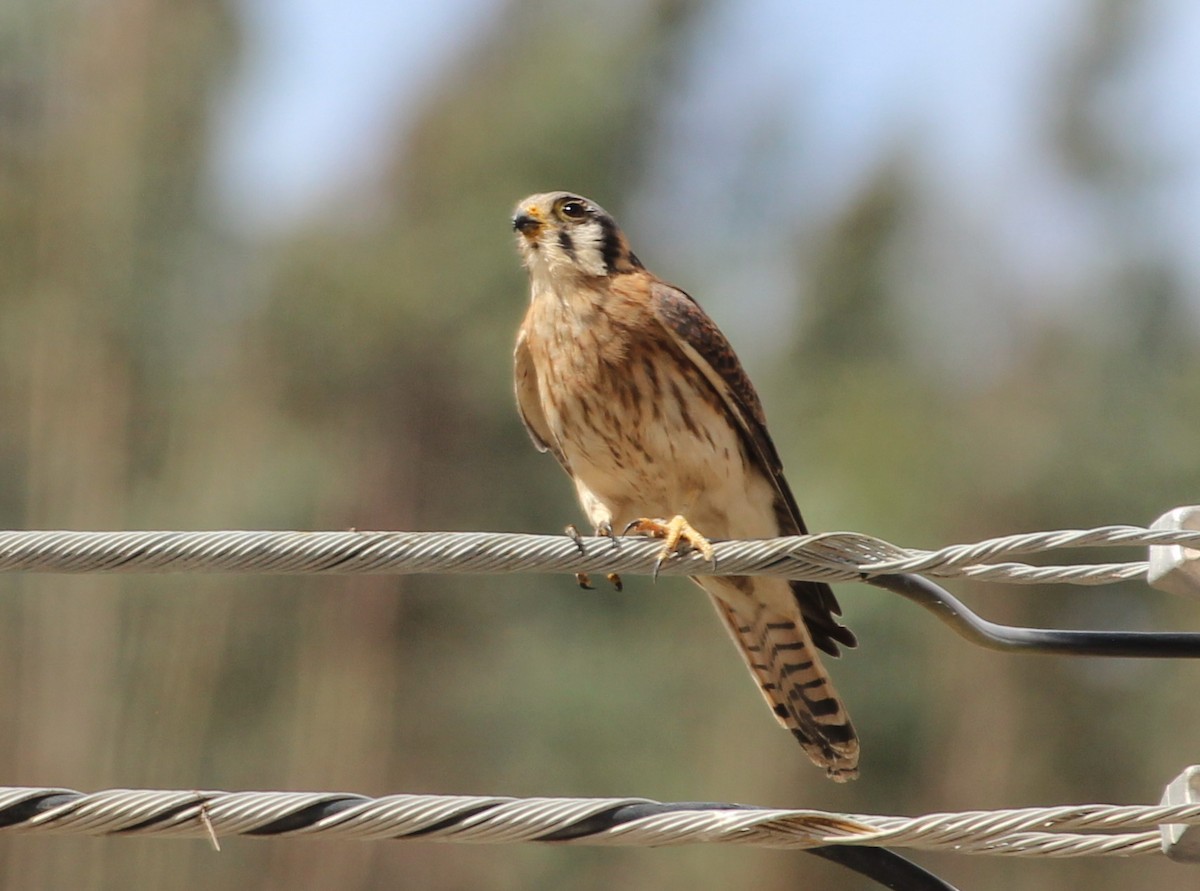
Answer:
x=884 y=866
x=1009 y=638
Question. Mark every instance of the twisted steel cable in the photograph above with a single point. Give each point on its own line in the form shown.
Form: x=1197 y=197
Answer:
x=1068 y=831
x=839 y=556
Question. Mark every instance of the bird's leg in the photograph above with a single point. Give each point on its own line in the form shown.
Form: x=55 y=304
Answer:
x=581 y=578
x=674 y=532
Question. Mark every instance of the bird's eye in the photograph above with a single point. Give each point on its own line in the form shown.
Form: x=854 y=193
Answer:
x=573 y=210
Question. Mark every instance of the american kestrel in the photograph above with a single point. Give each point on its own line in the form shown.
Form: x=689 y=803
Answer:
x=637 y=393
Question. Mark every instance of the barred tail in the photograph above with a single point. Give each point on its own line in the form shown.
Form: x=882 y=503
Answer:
x=780 y=654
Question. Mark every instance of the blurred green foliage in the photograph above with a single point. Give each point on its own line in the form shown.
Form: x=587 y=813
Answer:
x=158 y=372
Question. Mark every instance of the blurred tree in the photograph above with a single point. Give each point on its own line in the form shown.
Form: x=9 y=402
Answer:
x=100 y=146
x=156 y=371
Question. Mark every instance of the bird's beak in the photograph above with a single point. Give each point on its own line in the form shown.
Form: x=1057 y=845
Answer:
x=527 y=225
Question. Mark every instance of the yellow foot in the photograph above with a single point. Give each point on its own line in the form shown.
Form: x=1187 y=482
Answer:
x=585 y=581
x=674 y=532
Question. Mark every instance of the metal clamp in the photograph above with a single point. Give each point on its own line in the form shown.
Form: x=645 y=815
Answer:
x=1180 y=841
x=1174 y=568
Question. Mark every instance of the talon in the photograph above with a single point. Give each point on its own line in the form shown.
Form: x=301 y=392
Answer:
x=581 y=579
x=615 y=580
x=636 y=526
x=674 y=532
x=573 y=533
x=605 y=529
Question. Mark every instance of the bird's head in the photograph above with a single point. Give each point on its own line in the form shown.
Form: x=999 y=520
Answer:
x=564 y=236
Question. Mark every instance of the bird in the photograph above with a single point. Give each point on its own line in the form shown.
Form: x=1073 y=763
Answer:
x=633 y=388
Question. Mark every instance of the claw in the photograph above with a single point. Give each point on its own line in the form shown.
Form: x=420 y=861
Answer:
x=674 y=532
x=573 y=533
x=605 y=529
x=581 y=578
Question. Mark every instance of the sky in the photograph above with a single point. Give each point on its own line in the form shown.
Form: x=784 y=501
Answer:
x=323 y=90
x=967 y=91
